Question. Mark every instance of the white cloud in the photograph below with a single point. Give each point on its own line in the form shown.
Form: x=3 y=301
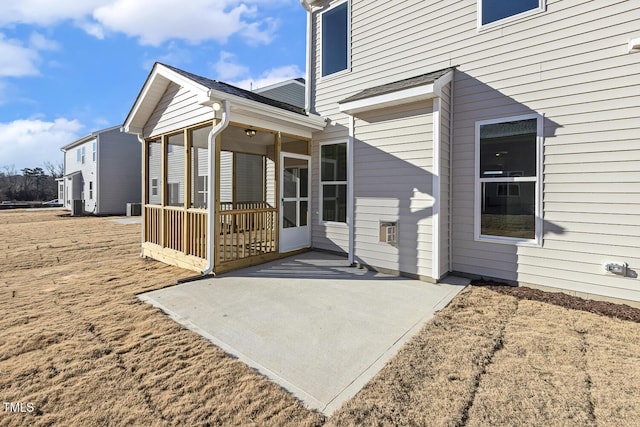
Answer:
x=39 y=42
x=31 y=142
x=227 y=68
x=46 y=12
x=16 y=60
x=269 y=77
x=155 y=21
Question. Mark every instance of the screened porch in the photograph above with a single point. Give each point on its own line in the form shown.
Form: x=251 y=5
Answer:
x=247 y=194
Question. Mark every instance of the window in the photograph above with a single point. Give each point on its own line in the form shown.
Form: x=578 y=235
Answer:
x=90 y=190
x=333 y=182
x=507 y=185
x=154 y=186
x=491 y=11
x=94 y=151
x=335 y=39
x=78 y=155
x=82 y=155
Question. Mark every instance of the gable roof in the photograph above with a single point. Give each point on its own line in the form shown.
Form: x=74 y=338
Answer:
x=208 y=92
x=233 y=90
x=413 y=89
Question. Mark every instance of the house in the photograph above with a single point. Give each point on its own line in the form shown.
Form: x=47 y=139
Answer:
x=103 y=170
x=290 y=91
x=480 y=137
x=484 y=138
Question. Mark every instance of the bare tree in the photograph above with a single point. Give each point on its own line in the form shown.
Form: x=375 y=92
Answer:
x=54 y=170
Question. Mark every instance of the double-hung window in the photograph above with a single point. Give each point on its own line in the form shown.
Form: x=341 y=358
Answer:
x=508 y=179
x=90 y=190
x=333 y=182
x=490 y=11
x=95 y=151
x=335 y=39
x=82 y=155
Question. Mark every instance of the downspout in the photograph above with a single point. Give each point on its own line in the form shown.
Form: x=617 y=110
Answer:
x=142 y=189
x=211 y=156
x=307 y=79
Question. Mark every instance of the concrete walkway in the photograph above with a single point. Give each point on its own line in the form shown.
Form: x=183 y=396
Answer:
x=311 y=323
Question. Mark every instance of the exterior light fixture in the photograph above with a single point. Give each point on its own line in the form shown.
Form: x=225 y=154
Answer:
x=250 y=132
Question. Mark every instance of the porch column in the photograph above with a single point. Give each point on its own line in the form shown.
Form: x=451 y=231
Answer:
x=163 y=188
x=278 y=147
x=216 y=206
x=186 y=232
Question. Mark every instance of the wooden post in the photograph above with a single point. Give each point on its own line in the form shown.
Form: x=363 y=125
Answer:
x=186 y=231
x=278 y=146
x=163 y=189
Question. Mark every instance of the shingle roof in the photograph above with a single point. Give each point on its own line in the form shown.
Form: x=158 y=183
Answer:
x=236 y=91
x=399 y=85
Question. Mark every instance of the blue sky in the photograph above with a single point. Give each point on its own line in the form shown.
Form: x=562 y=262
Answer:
x=70 y=67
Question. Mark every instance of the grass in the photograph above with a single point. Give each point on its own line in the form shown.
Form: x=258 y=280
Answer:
x=80 y=347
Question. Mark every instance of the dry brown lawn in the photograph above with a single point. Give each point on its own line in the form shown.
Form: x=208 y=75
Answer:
x=77 y=344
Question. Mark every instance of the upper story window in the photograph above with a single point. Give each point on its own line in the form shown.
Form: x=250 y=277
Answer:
x=80 y=154
x=95 y=151
x=491 y=11
x=508 y=179
x=335 y=39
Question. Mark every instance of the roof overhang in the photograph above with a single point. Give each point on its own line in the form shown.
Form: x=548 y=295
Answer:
x=242 y=110
x=381 y=98
x=86 y=138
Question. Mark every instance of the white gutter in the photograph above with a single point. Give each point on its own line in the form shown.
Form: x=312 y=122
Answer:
x=211 y=156
x=307 y=79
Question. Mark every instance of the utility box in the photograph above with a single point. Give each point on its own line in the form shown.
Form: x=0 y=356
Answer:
x=77 y=208
x=134 y=209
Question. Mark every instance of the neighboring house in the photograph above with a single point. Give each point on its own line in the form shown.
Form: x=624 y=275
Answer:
x=103 y=169
x=290 y=91
x=484 y=137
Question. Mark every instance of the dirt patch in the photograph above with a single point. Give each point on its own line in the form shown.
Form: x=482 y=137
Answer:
x=604 y=308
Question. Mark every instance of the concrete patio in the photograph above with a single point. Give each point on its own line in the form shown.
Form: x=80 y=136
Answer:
x=311 y=323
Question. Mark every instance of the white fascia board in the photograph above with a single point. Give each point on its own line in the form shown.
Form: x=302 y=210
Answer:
x=419 y=93
x=264 y=110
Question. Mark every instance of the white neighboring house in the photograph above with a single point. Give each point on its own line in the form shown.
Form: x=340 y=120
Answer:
x=104 y=170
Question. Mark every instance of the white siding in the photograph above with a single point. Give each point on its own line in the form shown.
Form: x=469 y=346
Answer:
x=177 y=109
x=393 y=181
x=88 y=173
x=570 y=64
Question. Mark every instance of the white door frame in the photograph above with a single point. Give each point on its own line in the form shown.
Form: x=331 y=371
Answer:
x=298 y=237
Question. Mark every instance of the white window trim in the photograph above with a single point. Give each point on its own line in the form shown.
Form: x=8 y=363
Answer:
x=348 y=68
x=95 y=150
x=542 y=7
x=321 y=183
x=537 y=240
x=82 y=155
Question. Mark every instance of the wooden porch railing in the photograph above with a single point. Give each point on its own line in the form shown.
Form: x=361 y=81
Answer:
x=243 y=233
x=246 y=232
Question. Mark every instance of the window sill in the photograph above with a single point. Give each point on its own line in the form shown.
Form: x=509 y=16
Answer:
x=509 y=20
x=509 y=241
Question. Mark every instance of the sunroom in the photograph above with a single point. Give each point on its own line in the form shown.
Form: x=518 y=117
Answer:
x=207 y=144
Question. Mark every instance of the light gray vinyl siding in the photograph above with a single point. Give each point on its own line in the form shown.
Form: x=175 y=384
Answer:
x=178 y=108
x=249 y=177
x=291 y=93
x=155 y=173
x=88 y=173
x=570 y=64
x=119 y=172
x=393 y=181
x=175 y=175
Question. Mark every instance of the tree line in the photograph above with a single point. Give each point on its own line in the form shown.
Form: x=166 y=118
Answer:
x=30 y=184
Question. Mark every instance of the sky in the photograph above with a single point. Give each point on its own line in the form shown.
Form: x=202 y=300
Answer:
x=70 y=67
